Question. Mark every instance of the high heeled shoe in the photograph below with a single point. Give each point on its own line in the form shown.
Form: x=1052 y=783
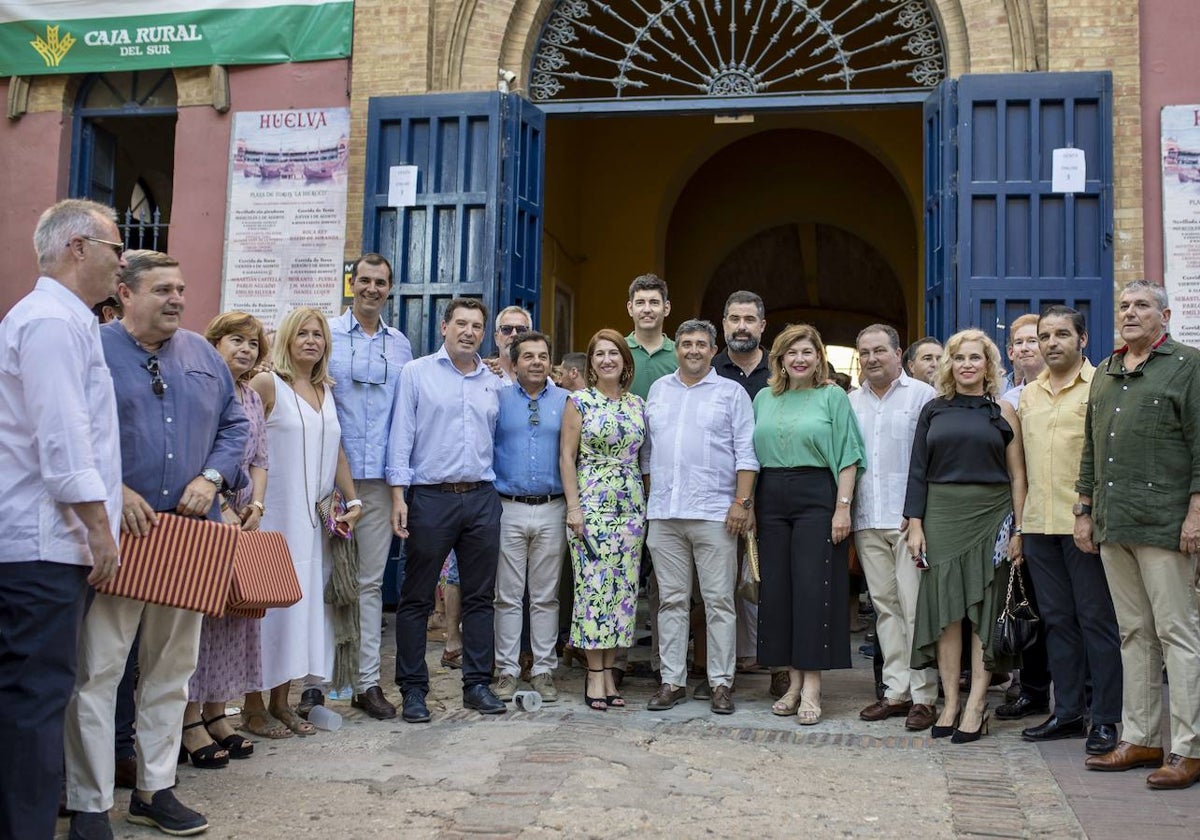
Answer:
x=207 y=757
x=963 y=737
x=596 y=704
x=614 y=701
x=236 y=745
x=946 y=731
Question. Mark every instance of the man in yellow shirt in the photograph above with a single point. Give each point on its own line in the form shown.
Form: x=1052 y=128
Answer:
x=1072 y=591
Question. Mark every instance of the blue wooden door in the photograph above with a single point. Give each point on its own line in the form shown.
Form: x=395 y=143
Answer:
x=1019 y=246
x=941 y=194
x=96 y=173
x=457 y=240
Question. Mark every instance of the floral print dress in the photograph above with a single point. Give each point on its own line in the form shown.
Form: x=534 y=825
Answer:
x=606 y=559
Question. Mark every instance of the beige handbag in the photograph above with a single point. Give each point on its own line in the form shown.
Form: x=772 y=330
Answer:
x=748 y=588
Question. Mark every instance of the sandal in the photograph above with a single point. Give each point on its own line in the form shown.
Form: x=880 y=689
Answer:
x=294 y=722
x=596 y=704
x=809 y=712
x=786 y=705
x=261 y=723
x=212 y=756
x=452 y=659
x=615 y=701
x=235 y=745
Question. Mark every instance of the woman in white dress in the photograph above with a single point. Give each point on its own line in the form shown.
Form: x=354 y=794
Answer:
x=304 y=446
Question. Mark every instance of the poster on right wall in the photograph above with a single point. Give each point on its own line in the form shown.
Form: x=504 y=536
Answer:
x=1181 y=219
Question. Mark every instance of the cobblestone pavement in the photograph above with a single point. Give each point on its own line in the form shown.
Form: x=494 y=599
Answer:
x=566 y=771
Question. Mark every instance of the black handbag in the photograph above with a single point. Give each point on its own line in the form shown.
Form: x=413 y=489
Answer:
x=1017 y=624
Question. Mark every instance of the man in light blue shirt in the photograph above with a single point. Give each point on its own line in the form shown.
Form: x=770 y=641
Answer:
x=533 y=534
x=699 y=454
x=365 y=364
x=439 y=463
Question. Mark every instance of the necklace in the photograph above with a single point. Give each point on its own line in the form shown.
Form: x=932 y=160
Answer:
x=308 y=502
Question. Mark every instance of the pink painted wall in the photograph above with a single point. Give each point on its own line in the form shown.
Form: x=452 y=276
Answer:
x=35 y=156
x=1170 y=76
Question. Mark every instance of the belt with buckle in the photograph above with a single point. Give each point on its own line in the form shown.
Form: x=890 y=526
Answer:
x=458 y=486
x=532 y=500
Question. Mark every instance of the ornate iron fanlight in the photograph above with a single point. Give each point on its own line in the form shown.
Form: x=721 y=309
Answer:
x=592 y=49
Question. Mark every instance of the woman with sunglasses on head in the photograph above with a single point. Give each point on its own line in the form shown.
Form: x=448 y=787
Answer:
x=229 y=662
x=304 y=444
x=603 y=428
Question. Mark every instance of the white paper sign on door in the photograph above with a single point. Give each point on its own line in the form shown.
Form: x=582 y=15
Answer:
x=1069 y=171
x=402 y=186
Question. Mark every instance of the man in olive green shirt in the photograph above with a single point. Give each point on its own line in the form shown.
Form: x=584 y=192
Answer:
x=1139 y=500
x=653 y=353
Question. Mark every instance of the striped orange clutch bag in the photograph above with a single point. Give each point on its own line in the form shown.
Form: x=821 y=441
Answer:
x=183 y=562
x=263 y=574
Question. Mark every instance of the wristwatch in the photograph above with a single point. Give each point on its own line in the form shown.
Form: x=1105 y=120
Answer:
x=1081 y=509
x=214 y=476
x=747 y=502
x=843 y=500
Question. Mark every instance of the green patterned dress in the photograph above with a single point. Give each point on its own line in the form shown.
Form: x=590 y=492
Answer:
x=605 y=560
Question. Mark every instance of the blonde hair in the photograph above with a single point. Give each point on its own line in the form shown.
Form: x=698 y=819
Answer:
x=1029 y=319
x=239 y=323
x=993 y=378
x=778 y=380
x=281 y=359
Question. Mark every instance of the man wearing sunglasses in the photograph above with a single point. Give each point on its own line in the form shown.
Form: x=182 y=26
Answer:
x=513 y=321
x=365 y=364
x=61 y=462
x=182 y=436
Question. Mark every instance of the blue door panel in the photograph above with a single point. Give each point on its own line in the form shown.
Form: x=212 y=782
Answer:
x=524 y=137
x=941 y=179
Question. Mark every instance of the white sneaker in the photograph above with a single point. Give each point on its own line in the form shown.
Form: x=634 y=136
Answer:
x=543 y=684
x=505 y=687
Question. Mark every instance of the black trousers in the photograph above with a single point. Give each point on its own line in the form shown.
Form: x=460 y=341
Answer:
x=468 y=523
x=41 y=606
x=1080 y=626
x=1035 y=663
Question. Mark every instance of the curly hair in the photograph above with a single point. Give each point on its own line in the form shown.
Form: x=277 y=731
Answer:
x=778 y=380
x=616 y=338
x=993 y=377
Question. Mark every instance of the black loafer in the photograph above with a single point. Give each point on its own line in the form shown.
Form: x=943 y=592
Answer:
x=86 y=825
x=309 y=697
x=167 y=814
x=1102 y=739
x=1022 y=707
x=1055 y=729
x=482 y=699
x=415 y=710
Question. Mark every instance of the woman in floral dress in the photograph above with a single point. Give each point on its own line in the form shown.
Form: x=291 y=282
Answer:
x=602 y=433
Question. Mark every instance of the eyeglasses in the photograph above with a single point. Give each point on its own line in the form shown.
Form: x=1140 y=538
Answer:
x=156 y=380
x=509 y=329
x=363 y=371
x=534 y=417
x=117 y=247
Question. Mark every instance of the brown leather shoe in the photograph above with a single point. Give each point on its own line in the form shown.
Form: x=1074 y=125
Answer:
x=667 y=697
x=126 y=775
x=920 y=717
x=1177 y=773
x=374 y=704
x=780 y=681
x=882 y=710
x=722 y=700
x=1126 y=756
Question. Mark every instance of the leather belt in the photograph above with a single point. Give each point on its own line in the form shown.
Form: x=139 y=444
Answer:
x=532 y=500
x=458 y=486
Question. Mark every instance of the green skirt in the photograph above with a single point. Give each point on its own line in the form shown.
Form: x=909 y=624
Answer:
x=962 y=528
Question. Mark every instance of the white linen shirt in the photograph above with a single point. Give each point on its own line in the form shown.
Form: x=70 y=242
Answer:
x=698 y=438
x=58 y=429
x=887 y=426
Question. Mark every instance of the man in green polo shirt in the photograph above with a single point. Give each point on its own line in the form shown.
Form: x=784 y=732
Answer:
x=653 y=353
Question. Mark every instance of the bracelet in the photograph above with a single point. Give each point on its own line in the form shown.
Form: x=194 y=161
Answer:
x=224 y=504
x=353 y=503
x=261 y=507
x=573 y=509
x=1016 y=532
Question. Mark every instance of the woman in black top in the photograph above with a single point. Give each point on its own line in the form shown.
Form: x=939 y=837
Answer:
x=966 y=491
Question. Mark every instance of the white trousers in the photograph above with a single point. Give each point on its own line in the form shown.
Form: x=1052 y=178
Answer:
x=532 y=541
x=678 y=546
x=167 y=655
x=373 y=532
x=894 y=581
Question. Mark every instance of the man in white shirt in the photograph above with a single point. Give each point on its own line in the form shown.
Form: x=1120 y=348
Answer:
x=699 y=454
x=887 y=407
x=61 y=461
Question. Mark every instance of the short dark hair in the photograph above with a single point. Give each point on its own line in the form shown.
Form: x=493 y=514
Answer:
x=693 y=325
x=371 y=259
x=648 y=283
x=911 y=352
x=886 y=329
x=575 y=360
x=514 y=349
x=464 y=303
x=112 y=302
x=1057 y=310
x=138 y=263
x=745 y=297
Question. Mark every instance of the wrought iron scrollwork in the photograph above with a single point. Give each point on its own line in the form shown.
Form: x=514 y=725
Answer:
x=598 y=49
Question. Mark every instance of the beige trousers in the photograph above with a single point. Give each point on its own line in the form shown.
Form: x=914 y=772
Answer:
x=1157 y=613
x=373 y=533
x=532 y=541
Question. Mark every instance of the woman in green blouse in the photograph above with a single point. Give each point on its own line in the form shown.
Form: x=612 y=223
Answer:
x=811 y=450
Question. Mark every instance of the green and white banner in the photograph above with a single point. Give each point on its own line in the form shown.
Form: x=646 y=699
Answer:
x=84 y=36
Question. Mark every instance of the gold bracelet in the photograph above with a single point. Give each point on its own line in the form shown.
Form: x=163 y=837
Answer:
x=261 y=508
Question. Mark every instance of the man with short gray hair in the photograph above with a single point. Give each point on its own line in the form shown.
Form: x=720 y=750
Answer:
x=511 y=321
x=699 y=455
